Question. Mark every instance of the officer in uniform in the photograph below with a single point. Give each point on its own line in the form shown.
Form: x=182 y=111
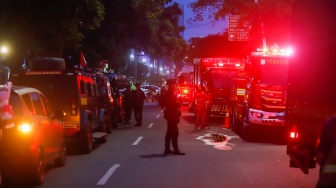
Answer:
x=208 y=105
x=172 y=113
x=138 y=99
x=200 y=108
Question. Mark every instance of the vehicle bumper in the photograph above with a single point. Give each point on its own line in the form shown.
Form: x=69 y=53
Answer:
x=276 y=119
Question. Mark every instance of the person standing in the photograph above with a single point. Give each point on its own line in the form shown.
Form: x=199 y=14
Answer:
x=326 y=154
x=200 y=108
x=172 y=113
x=208 y=106
x=138 y=98
x=127 y=103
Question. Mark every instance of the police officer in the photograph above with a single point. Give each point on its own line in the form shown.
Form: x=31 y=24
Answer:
x=200 y=108
x=138 y=99
x=172 y=114
x=208 y=105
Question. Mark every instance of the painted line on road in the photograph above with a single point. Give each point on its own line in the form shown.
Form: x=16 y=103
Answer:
x=137 y=141
x=157 y=116
x=108 y=174
x=150 y=125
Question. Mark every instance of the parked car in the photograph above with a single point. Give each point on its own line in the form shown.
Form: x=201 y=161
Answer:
x=150 y=89
x=36 y=138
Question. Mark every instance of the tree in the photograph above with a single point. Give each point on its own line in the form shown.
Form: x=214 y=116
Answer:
x=166 y=42
x=217 y=46
x=47 y=28
x=270 y=19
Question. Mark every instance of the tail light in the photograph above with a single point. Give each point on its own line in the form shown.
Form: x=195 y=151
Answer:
x=293 y=133
x=73 y=107
x=25 y=127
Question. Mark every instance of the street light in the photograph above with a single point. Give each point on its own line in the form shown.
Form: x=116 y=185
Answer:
x=3 y=50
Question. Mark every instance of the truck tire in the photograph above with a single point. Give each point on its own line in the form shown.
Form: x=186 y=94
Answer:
x=87 y=139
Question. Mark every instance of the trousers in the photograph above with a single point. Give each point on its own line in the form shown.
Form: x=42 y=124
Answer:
x=172 y=135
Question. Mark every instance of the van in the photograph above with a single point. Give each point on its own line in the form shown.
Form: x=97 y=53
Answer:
x=75 y=96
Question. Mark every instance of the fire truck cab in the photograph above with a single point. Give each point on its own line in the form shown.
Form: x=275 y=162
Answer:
x=220 y=76
x=265 y=101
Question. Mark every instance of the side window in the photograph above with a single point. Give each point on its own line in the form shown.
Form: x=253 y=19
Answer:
x=92 y=89
x=47 y=107
x=97 y=89
x=83 y=87
x=28 y=103
x=37 y=104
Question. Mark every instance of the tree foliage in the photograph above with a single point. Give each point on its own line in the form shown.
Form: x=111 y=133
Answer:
x=270 y=19
x=217 y=46
x=102 y=29
x=47 y=27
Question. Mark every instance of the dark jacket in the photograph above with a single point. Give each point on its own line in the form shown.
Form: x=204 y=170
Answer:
x=138 y=98
x=127 y=99
x=172 y=107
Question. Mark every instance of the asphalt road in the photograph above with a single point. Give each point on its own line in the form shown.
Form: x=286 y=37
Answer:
x=215 y=157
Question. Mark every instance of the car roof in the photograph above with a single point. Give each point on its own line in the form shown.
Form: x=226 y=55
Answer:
x=24 y=89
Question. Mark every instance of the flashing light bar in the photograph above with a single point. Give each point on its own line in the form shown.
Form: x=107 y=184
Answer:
x=274 y=51
x=221 y=62
x=42 y=72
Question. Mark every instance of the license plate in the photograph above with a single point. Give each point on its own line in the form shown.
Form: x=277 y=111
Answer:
x=69 y=124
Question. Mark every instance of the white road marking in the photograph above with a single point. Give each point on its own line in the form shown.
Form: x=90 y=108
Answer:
x=137 y=141
x=157 y=116
x=108 y=174
x=150 y=125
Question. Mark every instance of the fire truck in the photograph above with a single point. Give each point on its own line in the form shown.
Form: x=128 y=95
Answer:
x=266 y=87
x=184 y=84
x=220 y=76
x=311 y=92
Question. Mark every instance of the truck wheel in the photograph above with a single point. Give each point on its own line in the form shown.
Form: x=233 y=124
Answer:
x=87 y=140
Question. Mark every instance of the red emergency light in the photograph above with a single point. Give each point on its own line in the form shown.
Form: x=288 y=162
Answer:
x=221 y=62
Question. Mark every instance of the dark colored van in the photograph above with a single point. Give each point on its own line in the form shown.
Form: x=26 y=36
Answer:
x=75 y=96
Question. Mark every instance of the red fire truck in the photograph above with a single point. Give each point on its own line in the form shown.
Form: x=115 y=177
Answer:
x=311 y=90
x=265 y=101
x=184 y=83
x=220 y=76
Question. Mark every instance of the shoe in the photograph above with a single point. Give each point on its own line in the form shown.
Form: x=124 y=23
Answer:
x=178 y=153
x=166 y=152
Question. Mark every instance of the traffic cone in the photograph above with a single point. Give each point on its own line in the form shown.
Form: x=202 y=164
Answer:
x=226 y=124
x=146 y=98
x=153 y=98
